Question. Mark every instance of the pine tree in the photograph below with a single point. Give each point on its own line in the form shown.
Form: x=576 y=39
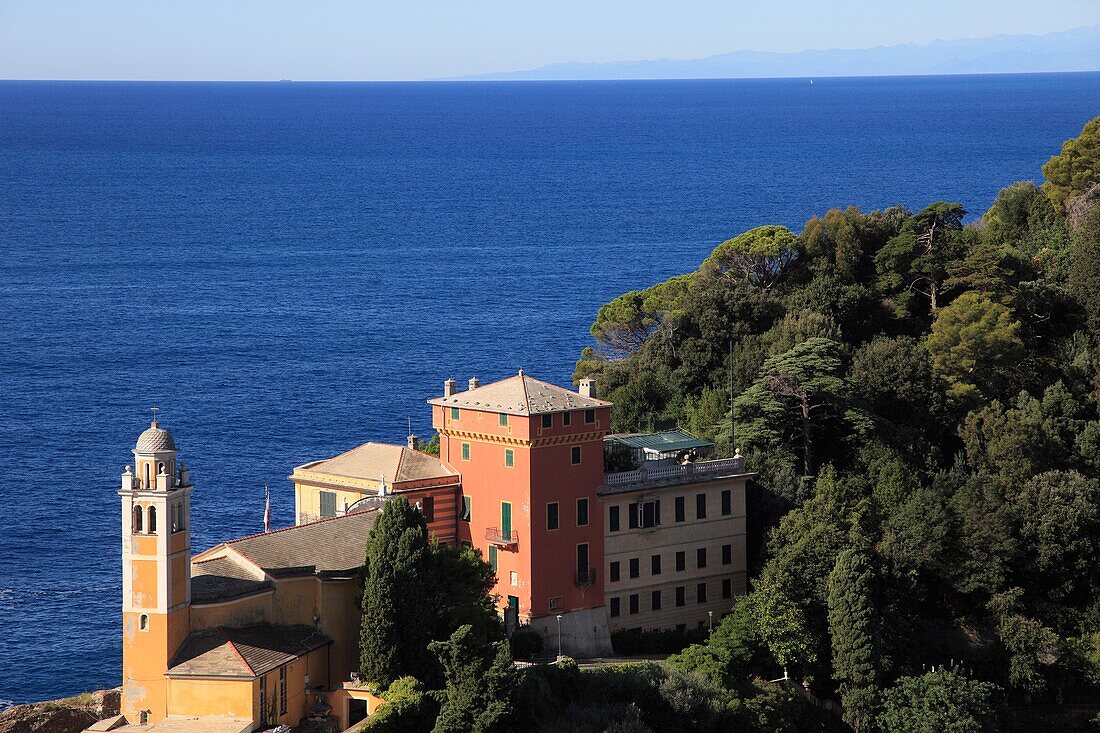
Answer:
x=852 y=621
x=396 y=628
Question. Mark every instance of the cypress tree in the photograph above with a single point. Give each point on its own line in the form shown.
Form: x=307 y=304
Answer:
x=478 y=697
x=396 y=626
x=852 y=622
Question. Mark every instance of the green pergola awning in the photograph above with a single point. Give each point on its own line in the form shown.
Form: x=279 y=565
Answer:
x=668 y=441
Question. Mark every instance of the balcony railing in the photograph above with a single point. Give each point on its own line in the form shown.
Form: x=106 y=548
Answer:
x=497 y=537
x=584 y=578
x=675 y=473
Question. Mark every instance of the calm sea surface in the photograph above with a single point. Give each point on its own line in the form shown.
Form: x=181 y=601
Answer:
x=290 y=269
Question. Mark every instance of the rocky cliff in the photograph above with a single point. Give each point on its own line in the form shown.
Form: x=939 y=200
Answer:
x=70 y=715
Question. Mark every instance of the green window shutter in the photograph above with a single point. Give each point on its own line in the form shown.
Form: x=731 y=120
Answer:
x=465 y=451
x=493 y=557
x=509 y=457
x=454 y=413
x=506 y=519
x=503 y=419
x=328 y=504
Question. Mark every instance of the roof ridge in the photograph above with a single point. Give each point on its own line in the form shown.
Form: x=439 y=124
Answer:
x=233 y=646
x=523 y=383
x=400 y=464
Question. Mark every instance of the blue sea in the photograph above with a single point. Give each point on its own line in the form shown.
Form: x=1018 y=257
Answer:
x=289 y=269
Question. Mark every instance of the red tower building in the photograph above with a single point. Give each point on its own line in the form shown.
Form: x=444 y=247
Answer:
x=530 y=456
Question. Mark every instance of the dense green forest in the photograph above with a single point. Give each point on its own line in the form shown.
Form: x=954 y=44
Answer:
x=919 y=395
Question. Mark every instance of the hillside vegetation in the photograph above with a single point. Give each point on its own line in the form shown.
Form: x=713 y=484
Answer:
x=919 y=394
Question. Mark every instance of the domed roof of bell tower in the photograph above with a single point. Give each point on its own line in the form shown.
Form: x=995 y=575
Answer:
x=155 y=439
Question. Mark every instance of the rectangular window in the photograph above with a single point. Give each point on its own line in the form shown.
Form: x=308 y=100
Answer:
x=701 y=593
x=727 y=503
x=427 y=508
x=328 y=504
x=679 y=508
x=514 y=577
x=655 y=565
x=590 y=416
x=681 y=560
x=464 y=514
x=651 y=513
x=613 y=519
x=264 y=714
x=552 y=515
x=633 y=602
x=700 y=506
x=503 y=419
x=613 y=573
x=454 y=413
x=509 y=457
x=727 y=588
x=548 y=421
x=727 y=554
x=575 y=455
x=506 y=518
x=493 y=557
x=681 y=596
x=582 y=512
x=582 y=558
x=614 y=607
x=566 y=418
x=632 y=516
x=465 y=451
x=655 y=600
x=556 y=603
x=635 y=569
x=701 y=557
x=282 y=690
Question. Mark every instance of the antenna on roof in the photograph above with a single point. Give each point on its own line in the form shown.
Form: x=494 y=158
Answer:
x=410 y=427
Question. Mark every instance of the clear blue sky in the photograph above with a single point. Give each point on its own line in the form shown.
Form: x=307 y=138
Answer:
x=415 y=39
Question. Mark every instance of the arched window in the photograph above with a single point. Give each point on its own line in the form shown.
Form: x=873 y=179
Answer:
x=147 y=467
x=143 y=622
x=160 y=468
x=152 y=520
x=137 y=519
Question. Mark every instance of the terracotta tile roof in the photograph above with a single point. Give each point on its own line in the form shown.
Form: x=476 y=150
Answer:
x=520 y=395
x=221 y=579
x=372 y=461
x=245 y=652
x=332 y=546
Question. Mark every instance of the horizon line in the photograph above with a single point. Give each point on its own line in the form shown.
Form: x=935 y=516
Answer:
x=473 y=80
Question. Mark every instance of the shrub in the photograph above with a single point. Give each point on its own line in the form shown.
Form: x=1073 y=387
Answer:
x=526 y=643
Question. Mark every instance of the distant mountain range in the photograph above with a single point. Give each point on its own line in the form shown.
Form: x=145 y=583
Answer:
x=1077 y=49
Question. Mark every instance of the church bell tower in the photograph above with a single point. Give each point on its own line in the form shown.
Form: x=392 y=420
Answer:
x=156 y=571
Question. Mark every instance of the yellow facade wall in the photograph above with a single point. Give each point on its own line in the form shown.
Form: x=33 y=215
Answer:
x=247 y=611
x=200 y=697
x=307 y=499
x=340 y=621
x=144 y=544
x=144 y=583
x=145 y=656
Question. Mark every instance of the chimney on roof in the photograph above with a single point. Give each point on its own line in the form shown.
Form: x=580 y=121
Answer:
x=450 y=387
x=588 y=388
x=474 y=384
x=413 y=442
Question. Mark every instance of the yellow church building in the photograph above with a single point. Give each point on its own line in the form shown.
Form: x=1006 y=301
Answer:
x=255 y=632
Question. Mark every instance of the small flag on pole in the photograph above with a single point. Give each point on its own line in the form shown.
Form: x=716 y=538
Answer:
x=267 y=509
